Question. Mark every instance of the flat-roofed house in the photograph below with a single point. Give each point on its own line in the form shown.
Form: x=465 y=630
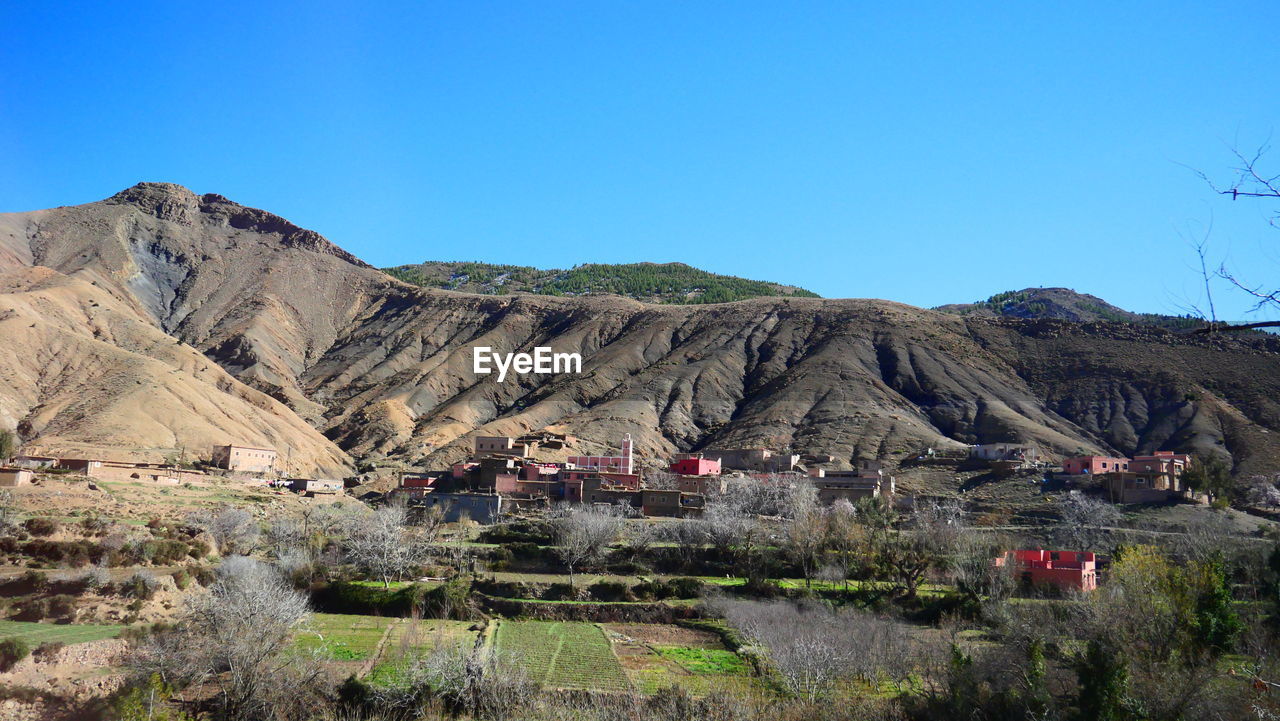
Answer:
x=35 y=463
x=245 y=459
x=1093 y=465
x=13 y=477
x=1065 y=570
x=316 y=486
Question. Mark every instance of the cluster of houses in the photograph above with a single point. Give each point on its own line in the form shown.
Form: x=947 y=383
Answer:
x=502 y=474
x=1152 y=478
x=1149 y=478
x=238 y=461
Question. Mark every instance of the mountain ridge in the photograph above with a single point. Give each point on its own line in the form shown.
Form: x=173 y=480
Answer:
x=349 y=363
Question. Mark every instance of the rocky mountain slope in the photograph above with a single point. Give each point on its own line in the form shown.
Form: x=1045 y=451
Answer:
x=649 y=282
x=235 y=325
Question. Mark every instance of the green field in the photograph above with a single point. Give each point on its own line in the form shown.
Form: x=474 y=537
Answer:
x=705 y=661
x=563 y=654
x=38 y=633
x=411 y=639
x=340 y=637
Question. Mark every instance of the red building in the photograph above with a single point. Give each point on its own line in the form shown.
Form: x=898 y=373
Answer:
x=695 y=465
x=1062 y=569
x=1094 y=464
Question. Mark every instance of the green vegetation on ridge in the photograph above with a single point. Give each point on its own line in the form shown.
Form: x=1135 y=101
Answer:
x=651 y=282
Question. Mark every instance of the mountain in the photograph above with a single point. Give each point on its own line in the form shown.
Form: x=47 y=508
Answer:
x=648 y=282
x=159 y=319
x=1062 y=304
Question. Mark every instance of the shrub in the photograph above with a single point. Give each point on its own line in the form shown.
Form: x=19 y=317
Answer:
x=525 y=549
x=31 y=609
x=12 y=650
x=34 y=580
x=95 y=578
x=42 y=526
x=198 y=549
x=48 y=649
x=204 y=575
x=686 y=587
x=62 y=606
x=141 y=585
x=610 y=591
x=181 y=579
x=94 y=525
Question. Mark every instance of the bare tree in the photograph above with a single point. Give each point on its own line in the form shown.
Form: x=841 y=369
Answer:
x=9 y=513
x=237 y=636
x=1085 y=520
x=1250 y=180
x=234 y=530
x=845 y=539
x=739 y=536
x=811 y=647
x=476 y=682
x=285 y=534
x=661 y=479
x=906 y=555
x=804 y=536
x=974 y=572
x=583 y=535
x=384 y=545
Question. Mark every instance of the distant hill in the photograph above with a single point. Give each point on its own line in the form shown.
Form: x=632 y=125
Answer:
x=1061 y=304
x=649 y=282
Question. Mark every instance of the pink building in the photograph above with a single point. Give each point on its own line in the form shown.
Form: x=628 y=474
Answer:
x=1094 y=464
x=695 y=465
x=1062 y=569
x=615 y=464
x=417 y=480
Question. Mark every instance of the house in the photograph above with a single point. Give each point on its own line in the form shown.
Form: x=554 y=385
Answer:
x=245 y=459
x=35 y=463
x=1005 y=452
x=1094 y=465
x=753 y=459
x=670 y=503
x=853 y=485
x=623 y=463
x=694 y=464
x=418 y=480
x=501 y=445
x=701 y=485
x=85 y=466
x=1153 y=478
x=12 y=477
x=316 y=486
x=1065 y=570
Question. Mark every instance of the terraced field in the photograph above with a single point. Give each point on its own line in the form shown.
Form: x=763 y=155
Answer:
x=657 y=656
x=563 y=655
x=38 y=633
x=341 y=637
x=410 y=639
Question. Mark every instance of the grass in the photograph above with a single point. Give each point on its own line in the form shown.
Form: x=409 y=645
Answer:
x=38 y=633
x=340 y=637
x=563 y=654
x=705 y=661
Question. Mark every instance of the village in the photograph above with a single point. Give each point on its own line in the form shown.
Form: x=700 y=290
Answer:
x=503 y=480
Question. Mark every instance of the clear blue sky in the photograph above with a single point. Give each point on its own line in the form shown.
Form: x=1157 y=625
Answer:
x=921 y=153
